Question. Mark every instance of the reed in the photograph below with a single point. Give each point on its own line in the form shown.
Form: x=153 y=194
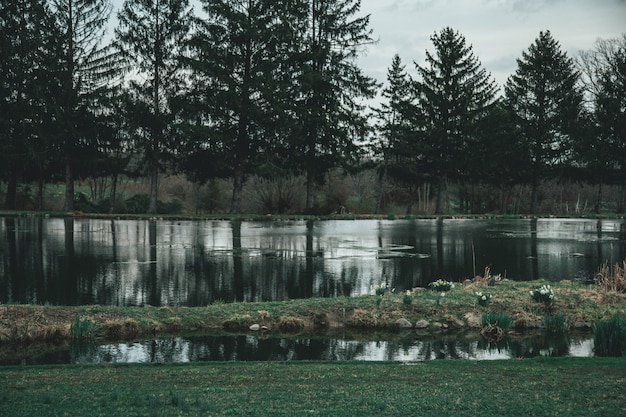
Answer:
x=612 y=278
x=82 y=329
x=609 y=336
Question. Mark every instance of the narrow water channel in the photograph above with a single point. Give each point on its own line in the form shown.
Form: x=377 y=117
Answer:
x=407 y=347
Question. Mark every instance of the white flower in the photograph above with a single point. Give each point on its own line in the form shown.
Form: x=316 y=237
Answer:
x=484 y=298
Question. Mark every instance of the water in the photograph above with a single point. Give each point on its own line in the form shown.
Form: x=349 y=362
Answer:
x=67 y=261
x=408 y=347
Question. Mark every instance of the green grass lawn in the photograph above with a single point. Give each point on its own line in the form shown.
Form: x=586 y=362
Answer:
x=530 y=387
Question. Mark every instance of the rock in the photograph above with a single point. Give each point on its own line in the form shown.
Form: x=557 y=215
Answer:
x=473 y=320
x=583 y=325
x=422 y=324
x=403 y=323
x=457 y=324
x=255 y=327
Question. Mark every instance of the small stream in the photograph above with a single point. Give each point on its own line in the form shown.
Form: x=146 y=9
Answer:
x=408 y=347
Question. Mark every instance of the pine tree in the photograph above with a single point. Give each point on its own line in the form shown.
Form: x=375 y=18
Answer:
x=151 y=35
x=238 y=59
x=395 y=142
x=328 y=115
x=85 y=66
x=455 y=93
x=27 y=57
x=547 y=104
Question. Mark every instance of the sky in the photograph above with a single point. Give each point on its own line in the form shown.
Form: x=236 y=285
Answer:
x=498 y=30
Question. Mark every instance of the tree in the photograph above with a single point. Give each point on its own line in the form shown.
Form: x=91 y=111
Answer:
x=455 y=92
x=547 y=104
x=395 y=144
x=27 y=59
x=238 y=59
x=152 y=35
x=85 y=69
x=327 y=115
x=601 y=155
x=610 y=114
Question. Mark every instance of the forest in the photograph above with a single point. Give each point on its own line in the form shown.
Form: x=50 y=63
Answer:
x=260 y=106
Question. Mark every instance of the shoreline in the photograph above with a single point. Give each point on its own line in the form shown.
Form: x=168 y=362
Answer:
x=579 y=305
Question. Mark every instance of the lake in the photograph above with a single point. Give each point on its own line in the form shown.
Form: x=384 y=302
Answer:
x=75 y=261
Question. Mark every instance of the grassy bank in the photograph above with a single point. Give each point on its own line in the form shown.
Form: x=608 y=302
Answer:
x=537 y=387
x=575 y=305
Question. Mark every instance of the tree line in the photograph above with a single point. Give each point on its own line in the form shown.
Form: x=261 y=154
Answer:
x=271 y=89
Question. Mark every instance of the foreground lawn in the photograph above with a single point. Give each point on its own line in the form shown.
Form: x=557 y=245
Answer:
x=537 y=387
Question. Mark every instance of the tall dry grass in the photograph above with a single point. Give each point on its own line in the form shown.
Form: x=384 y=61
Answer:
x=612 y=278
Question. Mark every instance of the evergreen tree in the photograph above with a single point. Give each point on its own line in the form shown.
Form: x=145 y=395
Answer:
x=85 y=67
x=238 y=59
x=327 y=112
x=27 y=57
x=547 y=104
x=395 y=144
x=151 y=35
x=455 y=93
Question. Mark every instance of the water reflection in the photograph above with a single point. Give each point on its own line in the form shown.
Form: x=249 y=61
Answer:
x=134 y=262
x=252 y=348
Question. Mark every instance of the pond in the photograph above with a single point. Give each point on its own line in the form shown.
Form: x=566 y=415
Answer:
x=76 y=261
x=408 y=347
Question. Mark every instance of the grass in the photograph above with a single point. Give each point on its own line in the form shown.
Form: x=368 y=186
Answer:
x=609 y=336
x=579 y=303
x=612 y=278
x=537 y=387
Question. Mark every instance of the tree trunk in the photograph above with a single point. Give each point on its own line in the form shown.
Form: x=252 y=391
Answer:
x=40 y=184
x=310 y=191
x=441 y=196
x=11 y=196
x=238 y=181
x=598 y=199
x=112 y=200
x=154 y=189
x=534 y=197
x=69 y=186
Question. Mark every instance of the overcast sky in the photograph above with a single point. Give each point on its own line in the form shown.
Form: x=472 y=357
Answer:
x=498 y=30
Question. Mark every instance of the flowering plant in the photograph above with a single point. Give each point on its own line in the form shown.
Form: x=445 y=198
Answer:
x=543 y=294
x=483 y=298
x=380 y=289
x=441 y=285
x=408 y=297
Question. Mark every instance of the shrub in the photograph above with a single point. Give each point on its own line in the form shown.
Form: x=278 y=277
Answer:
x=441 y=285
x=363 y=319
x=502 y=320
x=382 y=289
x=238 y=323
x=407 y=299
x=612 y=278
x=291 y=324
x=483 y=299
x=609 y=337
x=495 y=325
x=543 y=294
